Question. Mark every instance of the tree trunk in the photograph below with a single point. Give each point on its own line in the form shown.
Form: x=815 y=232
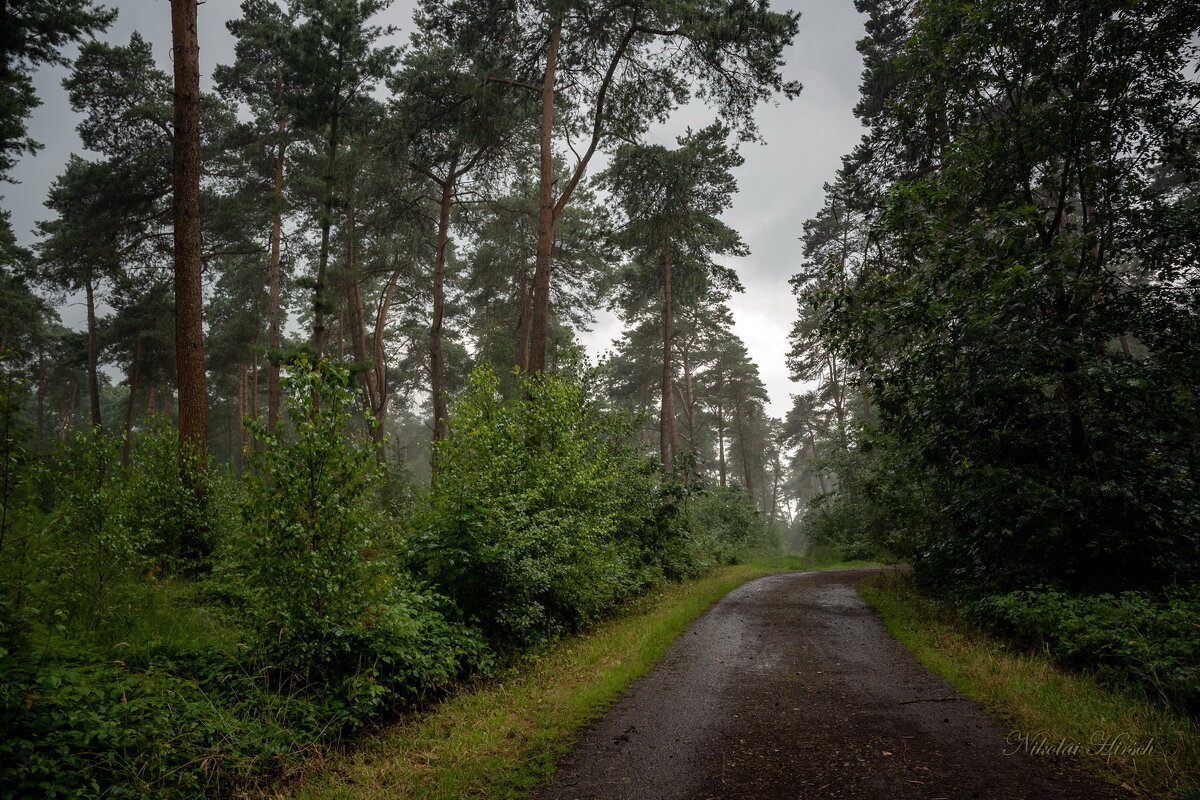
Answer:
x=667 y=444
x=379 y=407
x=330 y=177
x=690 y=394
x=189 y=325
x=274 y=284
x=737 y=416
x=437 y=367
x=41 y=399
x=253 y=408
x=93 y=369
x=134 y=375
x=775 y=471
x=812 y=443
x=66 y=416
x=243 y=437
x=721 y=439
x=862 y=390
x=525 y=304
x=539 y=329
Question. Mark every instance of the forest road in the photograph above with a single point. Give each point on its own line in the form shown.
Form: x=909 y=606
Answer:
x=790 y=687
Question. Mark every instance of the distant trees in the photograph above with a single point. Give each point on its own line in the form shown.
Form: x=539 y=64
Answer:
x=671 y=199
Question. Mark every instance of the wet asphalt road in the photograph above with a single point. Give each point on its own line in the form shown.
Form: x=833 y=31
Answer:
x=789 y=687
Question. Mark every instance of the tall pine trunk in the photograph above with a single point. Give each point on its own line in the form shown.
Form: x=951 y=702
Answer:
x=274 y=288
x=721 y=437
x=189 y=325
x=319 y=301
x=741 y=432
x=93 y=358
x=134 y=376
x=41 y=399
x=539 y=322
x=667 y=444
x=437 y=367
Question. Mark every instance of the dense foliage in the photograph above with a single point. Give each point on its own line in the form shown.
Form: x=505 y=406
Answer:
x=1019 y=302
x=139 y=662
x=1131 y=639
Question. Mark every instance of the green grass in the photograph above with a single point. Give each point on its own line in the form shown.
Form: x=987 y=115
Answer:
x=1038 y=698
x=500 y=738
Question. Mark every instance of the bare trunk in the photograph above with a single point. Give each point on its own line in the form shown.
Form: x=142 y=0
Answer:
x=379 y=406
x=746 y=473
x=862 y=390
x=812 y=443
x=319 y=301
x=775 y=470
x=690 y=394
x=274 y=289
x=93 y=370
x=721 y=441
x=134 y=375
x=253 y=409
x=66 y=416
x=437 y=367
x=666 y=428
x=539 y=329
x=41 y=398
x=521 y=355
x=243 y=437
x=189 y=299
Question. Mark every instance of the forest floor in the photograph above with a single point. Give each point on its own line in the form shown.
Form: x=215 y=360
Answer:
x=790 y=687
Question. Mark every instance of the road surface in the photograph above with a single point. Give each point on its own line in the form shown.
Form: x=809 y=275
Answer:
x=789 y=687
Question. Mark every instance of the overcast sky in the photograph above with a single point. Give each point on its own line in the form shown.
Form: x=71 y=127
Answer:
x=779 y=185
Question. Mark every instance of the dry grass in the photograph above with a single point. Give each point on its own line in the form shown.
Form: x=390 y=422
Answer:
x=1040 y=699
x=502 y=737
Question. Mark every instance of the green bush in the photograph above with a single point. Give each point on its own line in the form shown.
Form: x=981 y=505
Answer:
x=152 y=724
x=329 y=601
x=725 y=524
x=1130 y=639
x=532 y=520
x=180 y=531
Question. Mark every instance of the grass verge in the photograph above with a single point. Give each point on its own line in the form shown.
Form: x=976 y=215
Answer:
x=502 y=737
x=1064 y=711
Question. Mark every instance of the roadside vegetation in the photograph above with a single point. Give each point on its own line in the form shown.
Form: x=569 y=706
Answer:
x=1117 y=728
x=502 y=736
x=159 y=645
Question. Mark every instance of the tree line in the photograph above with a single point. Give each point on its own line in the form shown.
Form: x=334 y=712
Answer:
x=411 y=211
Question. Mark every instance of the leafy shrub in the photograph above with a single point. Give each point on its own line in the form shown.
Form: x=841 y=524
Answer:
x=330 y=603
x=174 y=521
x=1130 y=638
x=872 y=514
x=533 y=517
x=89 y=553
x=193 y=724
x=725 y=523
